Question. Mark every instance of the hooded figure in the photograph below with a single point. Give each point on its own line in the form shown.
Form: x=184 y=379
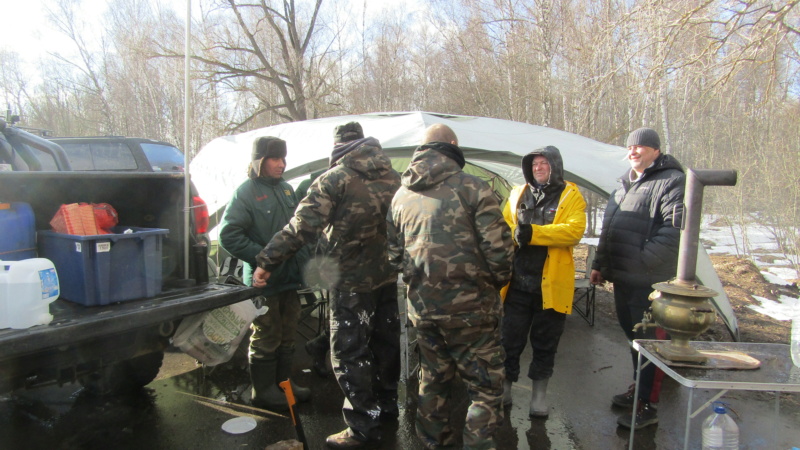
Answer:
x=447 y=234
x=547 y=218
x=348 y=204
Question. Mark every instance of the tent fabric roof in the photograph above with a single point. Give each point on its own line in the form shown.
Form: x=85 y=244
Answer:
x=495 y=144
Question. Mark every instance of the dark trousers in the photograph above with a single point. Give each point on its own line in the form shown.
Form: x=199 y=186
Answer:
x=632 y=303
x=278 y=327
x=523 y=319
x=365 y=354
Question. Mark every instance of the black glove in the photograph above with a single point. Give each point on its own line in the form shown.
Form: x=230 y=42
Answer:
x=523 y=234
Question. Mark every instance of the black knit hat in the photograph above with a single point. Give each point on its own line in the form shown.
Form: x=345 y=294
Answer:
x=347 y=132
x=646 y=137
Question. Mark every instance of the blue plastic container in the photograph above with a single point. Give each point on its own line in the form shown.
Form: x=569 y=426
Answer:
x=17 y=232
x=108 y=268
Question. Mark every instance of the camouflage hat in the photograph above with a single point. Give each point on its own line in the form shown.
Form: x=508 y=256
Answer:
x=348 y=132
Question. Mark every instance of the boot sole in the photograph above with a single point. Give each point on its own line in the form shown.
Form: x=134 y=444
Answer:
x=638 y=426
x=622 y=405
x=273 y=408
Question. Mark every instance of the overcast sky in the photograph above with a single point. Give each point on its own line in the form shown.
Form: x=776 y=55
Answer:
x=24 y=27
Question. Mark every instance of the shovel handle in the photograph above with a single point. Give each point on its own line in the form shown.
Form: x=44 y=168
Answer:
x=287 y=390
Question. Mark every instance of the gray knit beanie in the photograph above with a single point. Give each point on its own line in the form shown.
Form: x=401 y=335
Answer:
x=646 y=137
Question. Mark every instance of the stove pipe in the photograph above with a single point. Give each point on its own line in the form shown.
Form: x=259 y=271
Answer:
x=696 y=180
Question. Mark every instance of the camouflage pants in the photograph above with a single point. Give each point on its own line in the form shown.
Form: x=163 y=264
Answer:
x=365 y=354
x=277 y=327
x=476 y=353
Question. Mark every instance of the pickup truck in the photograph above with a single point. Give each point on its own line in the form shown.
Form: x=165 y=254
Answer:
x=119 y=346
x=120 y=154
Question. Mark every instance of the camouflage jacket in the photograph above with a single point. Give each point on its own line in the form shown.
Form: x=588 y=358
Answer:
x=349 y=203
x=447 y=233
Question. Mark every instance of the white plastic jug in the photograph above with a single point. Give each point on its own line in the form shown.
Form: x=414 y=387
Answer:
x=27 y=288
x=213 y=336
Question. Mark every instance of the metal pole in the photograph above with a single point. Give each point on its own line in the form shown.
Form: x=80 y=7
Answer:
x=187 y=201
x=696 y=180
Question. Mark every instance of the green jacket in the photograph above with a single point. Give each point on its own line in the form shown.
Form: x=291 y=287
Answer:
x=259 y=209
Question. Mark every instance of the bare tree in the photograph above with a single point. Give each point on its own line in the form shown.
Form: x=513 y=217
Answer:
x=271 y=56
x=14 y=83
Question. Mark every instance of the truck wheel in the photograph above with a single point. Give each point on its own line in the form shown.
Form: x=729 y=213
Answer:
x=124 y=376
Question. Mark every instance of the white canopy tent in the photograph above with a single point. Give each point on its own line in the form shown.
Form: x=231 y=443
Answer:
x=493 y=144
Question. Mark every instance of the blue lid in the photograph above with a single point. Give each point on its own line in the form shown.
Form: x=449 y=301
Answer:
x=719 y=409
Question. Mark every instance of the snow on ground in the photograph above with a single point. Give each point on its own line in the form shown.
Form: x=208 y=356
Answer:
x=775 y=267
x=783 y=309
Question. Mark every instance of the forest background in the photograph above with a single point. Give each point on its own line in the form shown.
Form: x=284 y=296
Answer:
x=719 y=79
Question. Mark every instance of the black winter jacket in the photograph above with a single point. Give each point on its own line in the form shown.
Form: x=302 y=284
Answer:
x=639 y=244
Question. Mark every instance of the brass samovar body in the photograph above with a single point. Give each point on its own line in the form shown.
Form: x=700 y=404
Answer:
x=682 y=306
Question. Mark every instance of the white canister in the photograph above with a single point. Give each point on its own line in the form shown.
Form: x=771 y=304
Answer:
x=27 y=288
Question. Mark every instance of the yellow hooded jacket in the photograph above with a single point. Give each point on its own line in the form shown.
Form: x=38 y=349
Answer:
x=558 y=275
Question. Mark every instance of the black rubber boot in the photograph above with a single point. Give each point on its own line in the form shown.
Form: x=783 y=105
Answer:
x=284 y=372
x=266 y=393
x=318 y=349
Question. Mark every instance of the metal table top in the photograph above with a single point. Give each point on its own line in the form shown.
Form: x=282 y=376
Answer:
x=776 y=373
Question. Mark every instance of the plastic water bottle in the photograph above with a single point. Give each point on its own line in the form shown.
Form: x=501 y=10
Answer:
x=720 y=431
x=796 y=338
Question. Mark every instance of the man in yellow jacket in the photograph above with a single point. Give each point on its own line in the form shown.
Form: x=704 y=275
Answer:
x=547 y=218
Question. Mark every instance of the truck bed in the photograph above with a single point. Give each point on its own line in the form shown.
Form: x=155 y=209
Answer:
x=73 y=323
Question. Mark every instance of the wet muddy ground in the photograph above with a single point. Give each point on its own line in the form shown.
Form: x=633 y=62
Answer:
x=186 y=407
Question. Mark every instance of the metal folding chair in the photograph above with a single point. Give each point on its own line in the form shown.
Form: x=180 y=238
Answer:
x=583 y=302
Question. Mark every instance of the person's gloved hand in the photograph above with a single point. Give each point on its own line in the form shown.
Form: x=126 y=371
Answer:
x=523 y=234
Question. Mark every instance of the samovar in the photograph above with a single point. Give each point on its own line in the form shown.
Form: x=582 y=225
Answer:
x=682 y=306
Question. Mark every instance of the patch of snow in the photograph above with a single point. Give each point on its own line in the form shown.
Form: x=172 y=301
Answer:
x=783 y=309
x=776 y=267
x=779 y=275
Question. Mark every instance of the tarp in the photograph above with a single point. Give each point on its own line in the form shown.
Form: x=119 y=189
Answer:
x=495 y=145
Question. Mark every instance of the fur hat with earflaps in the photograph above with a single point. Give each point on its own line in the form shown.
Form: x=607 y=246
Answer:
x=265 y=147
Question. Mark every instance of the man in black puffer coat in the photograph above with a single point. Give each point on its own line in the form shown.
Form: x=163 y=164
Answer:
x=639 y=247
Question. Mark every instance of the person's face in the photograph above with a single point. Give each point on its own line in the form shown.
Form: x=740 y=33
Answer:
x=272 y=167
x=641 y=157
x=541 y=169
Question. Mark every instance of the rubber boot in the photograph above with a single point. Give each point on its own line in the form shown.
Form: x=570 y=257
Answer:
x=318 y=349
x=507 y=400
x=266 y=394
x=538 y=398
x=284 y=372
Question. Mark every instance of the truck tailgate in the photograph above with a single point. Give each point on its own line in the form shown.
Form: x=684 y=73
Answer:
x=73 y=323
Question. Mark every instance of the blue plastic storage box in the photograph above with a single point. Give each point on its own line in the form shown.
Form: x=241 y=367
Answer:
x=106 y=268
x=17 y=232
